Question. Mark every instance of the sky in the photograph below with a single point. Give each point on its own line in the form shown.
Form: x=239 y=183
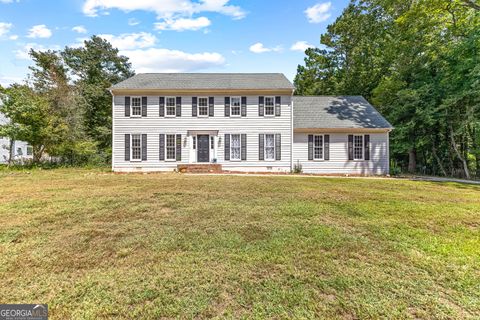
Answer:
x=169 y=35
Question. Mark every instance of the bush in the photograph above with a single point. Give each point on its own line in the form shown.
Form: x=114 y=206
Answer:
x=297 y=168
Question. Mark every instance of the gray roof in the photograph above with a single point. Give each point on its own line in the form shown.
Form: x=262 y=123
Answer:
x=206 y=81
x=336 y=112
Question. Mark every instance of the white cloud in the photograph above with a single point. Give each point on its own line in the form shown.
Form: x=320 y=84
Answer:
x=133 y=22
x=79 y=29
x=13 y=37
x=39 y=31
x=319 y=12
x=166 y=8
x=165 y=60
x=23 y=53
x=130 y=41
x=5 y=81
x=5 y=28
x=260 y=48
x=183 y=24
x=301 y=46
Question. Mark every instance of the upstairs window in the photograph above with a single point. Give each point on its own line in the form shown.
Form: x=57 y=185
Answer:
x=318 y=147
x=235 y=104
x=170 y=106
x=136 y=147
x=269 y=106
x=358 y=147
x=269 y=147
x=203 y=107
x=136 y=106
x=170 y=147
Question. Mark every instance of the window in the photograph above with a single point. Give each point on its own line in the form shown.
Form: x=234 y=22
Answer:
x=269 y=106
x=235 y=147
x=203 y=107
x=269 y=147
x=19 y=151
x=170 y=146
x=212 y=142
x=171 y=106
x=194 y=142
x=29 y=150
x=358 y=148
x=136 y=106
x=136 y=147
x=318 y=147
x=235 y=105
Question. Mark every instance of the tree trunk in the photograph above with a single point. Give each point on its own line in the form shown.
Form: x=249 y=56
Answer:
x=442 y=168
x=412 y=160
x=11 y=151
x=459 y=155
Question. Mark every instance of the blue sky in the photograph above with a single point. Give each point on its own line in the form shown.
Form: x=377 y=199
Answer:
x=169 y=35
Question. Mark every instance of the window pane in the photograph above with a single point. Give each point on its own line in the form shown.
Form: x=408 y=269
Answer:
x=235 y=147
x=269 y=106
x=358 y=147
x=136 y=106
x=318 y=147
x=171 y=106
x=269 y=147
x=136 y=147
x=170 y=146
x=203 y=106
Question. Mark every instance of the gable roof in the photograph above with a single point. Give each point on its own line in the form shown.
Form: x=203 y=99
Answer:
x=327 y=112
x=206 y=81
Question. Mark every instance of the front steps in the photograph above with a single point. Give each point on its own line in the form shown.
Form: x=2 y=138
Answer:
x=200 y=168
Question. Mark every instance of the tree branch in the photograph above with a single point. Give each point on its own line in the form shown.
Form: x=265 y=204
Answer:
x=472 y=4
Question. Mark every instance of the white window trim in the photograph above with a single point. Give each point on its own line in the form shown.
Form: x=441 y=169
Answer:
x=231 y=107
x=198 y=108
x=265 y=147
x=131 y=147
x=175 y=147
x=240 y=136
x=265 y=107
x=174 y=105
x=131 y=107
x=323 y=147
x=363 y=147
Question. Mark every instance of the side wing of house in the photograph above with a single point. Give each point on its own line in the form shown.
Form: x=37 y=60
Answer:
x=339 y=135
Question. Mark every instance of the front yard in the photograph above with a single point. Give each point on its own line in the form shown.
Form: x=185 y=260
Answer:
x=93 y=244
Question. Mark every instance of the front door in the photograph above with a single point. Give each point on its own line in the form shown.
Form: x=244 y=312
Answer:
x=203 y=148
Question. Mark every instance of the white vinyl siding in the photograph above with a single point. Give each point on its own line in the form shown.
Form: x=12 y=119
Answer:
x=136 y=107
x=170 y=106
x=338 y=151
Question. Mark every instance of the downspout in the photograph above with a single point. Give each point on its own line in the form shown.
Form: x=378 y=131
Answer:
x=113 y=129
x=291 y=133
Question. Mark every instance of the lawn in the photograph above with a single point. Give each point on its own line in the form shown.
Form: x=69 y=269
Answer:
x=93 y=244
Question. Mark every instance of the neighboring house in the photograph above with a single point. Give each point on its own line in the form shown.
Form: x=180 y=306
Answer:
x=20 y=150
x=242 y=122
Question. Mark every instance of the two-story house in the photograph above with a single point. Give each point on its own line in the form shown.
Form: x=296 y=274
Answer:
x=242 y=122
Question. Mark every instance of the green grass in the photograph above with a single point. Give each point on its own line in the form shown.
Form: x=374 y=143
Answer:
x=93 y=244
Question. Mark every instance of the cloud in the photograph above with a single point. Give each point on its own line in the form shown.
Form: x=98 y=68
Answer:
x=39 y=31
x=183 y=24
x=79 y=29
x=164 y=9
x=260 y=48
x=319 y=12
x=7 y=1
x=166 y=60
x=130 y=41
x=301 y=46
x=5 y=28
x=133 y=22
x=6 y=81
x=13 y=37
x=23 y=53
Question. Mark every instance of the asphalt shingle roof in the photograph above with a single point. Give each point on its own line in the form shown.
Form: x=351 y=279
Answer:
x=206 y=81
x=329 y=112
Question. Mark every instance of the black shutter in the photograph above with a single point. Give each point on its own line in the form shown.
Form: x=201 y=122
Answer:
x=211 y=106
x=227 y=106
x=261 y=106
x=326 y=147
x=127 y=106
x=244 y=147
x=367 y=146
x=178 y=151
x=162 y=147
x=244 y=106
x=310 y=147
x=127 y=147
x=194 y=106
x=144 y=106
x=278 y=106
x=144 y=147
x=261 y=147
x=278 y=146
x=179 y=107
x=350 y=147
x=161 y=103
x=227 y=147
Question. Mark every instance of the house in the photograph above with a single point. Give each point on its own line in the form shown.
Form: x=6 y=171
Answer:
x=249 y=122
x=20 y=150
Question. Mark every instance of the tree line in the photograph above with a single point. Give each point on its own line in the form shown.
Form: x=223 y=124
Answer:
x=418 y=62
x=64 y=108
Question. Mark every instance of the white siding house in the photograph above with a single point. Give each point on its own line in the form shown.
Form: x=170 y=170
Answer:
x=20 y=149
x=243 y=122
